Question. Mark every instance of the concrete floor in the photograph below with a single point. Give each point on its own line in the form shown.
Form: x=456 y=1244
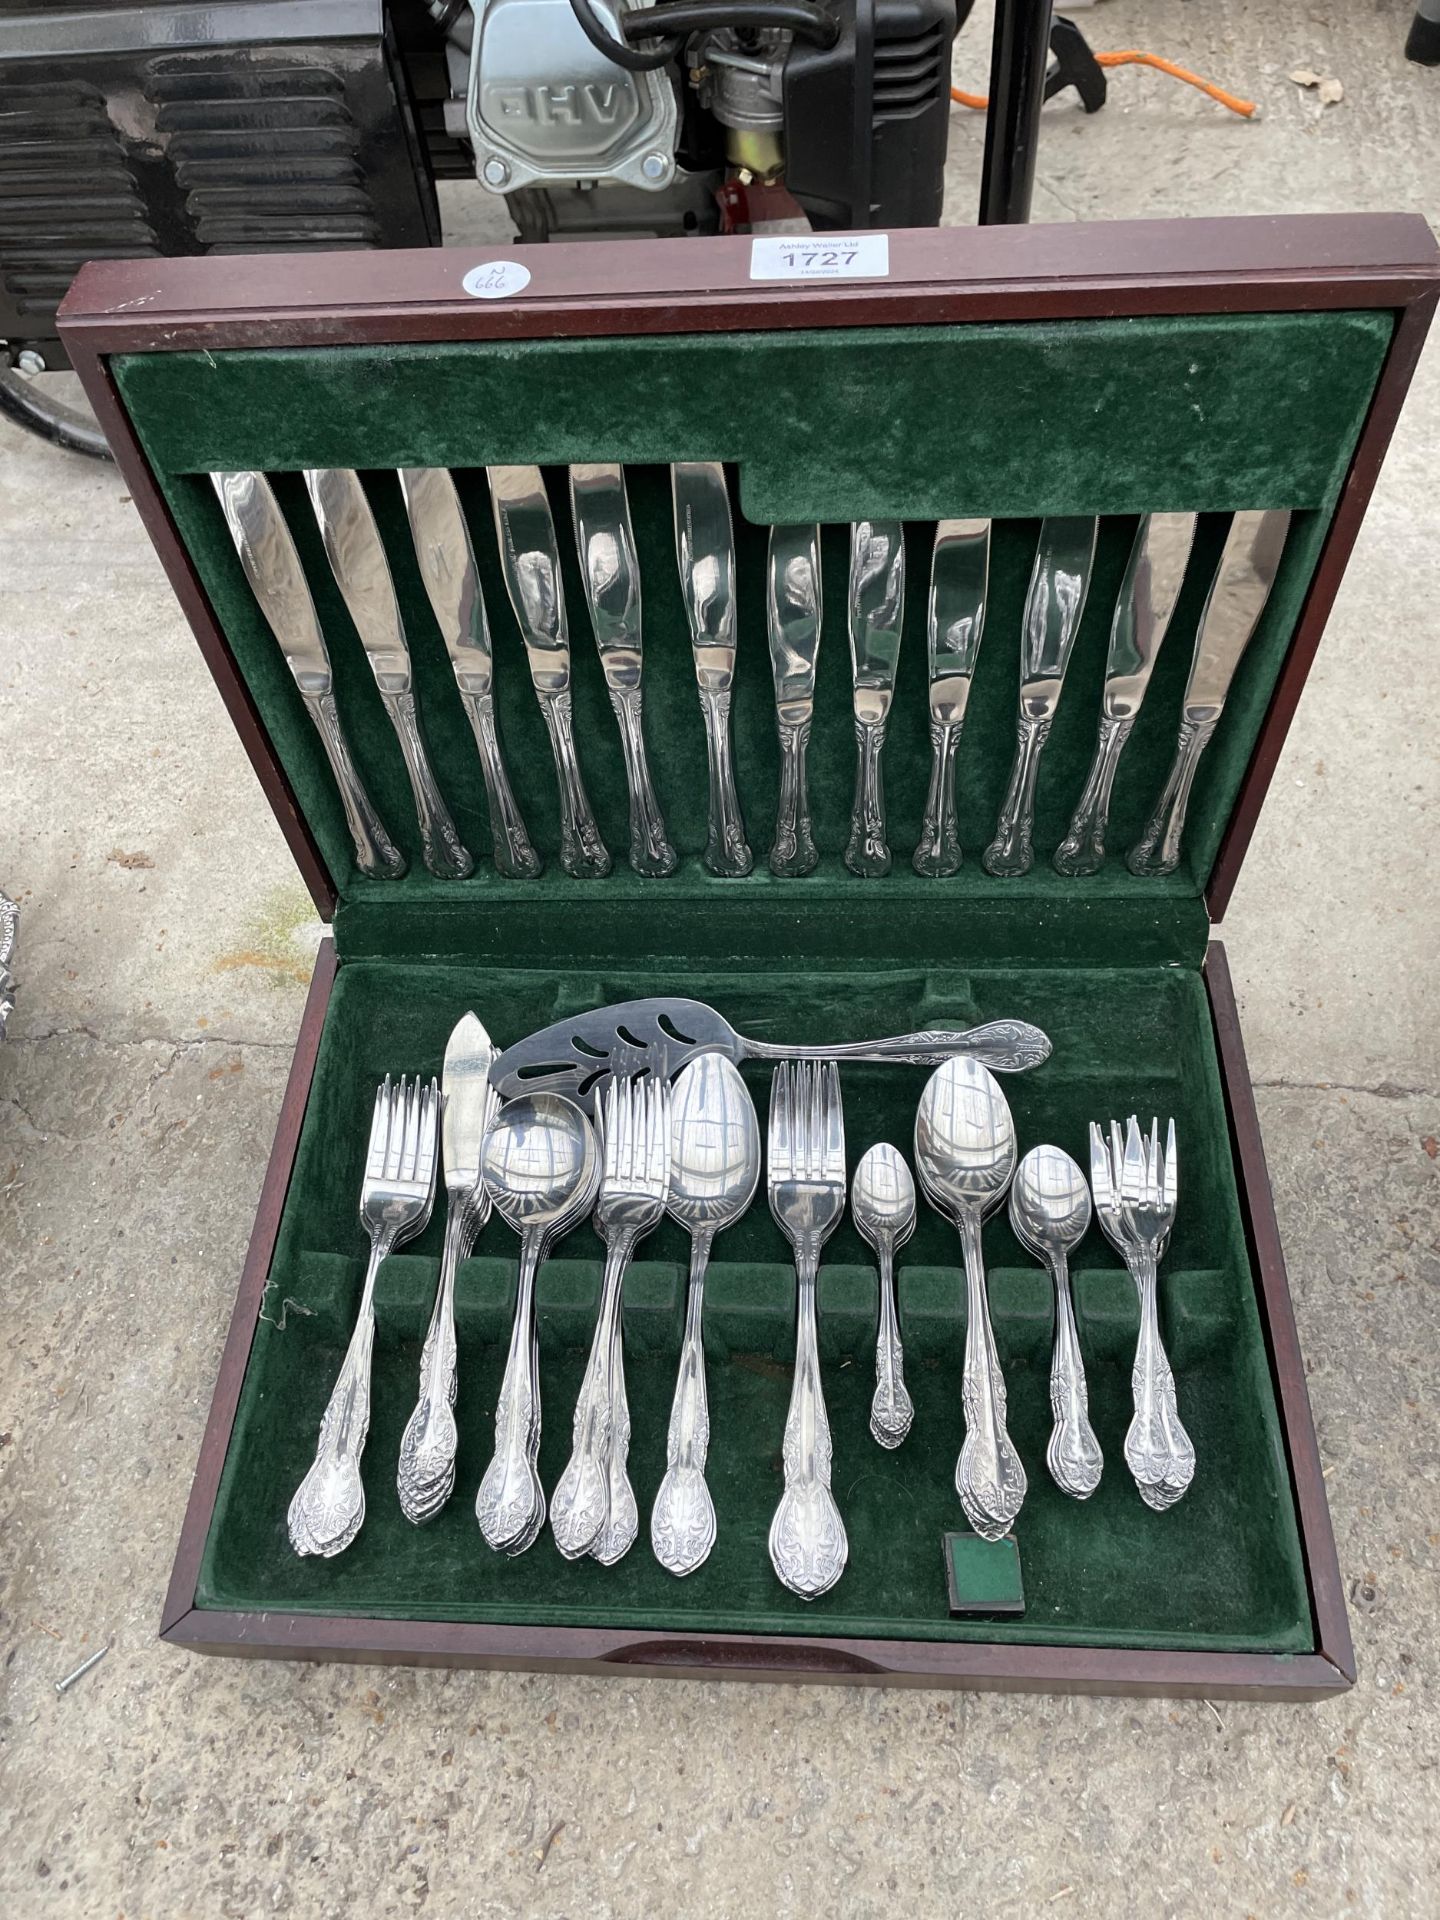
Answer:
x=165 y=947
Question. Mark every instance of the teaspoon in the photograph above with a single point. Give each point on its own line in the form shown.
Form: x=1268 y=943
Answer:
x=882 y=1205
x=714 y=1171
x=965 y=1155
x=1050 y=1212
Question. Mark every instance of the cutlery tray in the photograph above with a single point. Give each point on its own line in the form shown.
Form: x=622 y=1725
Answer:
x=1205 y=366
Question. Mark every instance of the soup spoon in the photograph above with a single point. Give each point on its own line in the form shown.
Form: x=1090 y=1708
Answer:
x=965 y=1155
x=1050 y=1212
x=541 y=1164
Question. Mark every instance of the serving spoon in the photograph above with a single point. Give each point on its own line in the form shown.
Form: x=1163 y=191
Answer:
x=965 y=1155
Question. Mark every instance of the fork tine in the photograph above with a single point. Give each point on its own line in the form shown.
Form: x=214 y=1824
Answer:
x=429 y=1131
x=814 y=1130
x=659 y=1156
x=833 y=1139
x=411 y=1145
x=1117 y=1157
x=1100 y=1167
x=1154 y=1166
x=1170 y=1183
x=609 y=1128
x=379 y=1131
x=395 y=1145
x=1132 y=1177
x=777 y=1146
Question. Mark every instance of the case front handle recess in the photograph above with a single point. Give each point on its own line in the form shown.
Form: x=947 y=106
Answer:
x=787 y=1658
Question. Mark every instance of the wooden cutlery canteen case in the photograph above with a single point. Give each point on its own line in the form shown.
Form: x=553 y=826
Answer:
x=1111 y=370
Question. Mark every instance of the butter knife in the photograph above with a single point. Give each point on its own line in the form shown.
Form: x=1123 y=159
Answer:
x=959 y=579
x=426 y=1476
x=530 y=557
x=606 y=543
x=277 y=579
x=705 y=550
x=1142 y=615
x=793 y=610
x=1059 y=581
x=876 y=613
x=357 y=558
x=447 y=566
x=1248 y=565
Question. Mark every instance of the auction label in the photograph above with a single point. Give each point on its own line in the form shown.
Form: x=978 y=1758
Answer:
x=858 y=256
x=496 y=279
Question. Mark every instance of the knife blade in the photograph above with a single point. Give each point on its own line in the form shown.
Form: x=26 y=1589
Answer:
x=705 y=554
x=794 y=609
x=1238 y=593
x=272 y=565
x=447 y=566
x=955 y=625
x=876 y=609
x=530 y=562
x=362 y=572
x=1054 y=605
x=470 y=1104
x=1148 y=593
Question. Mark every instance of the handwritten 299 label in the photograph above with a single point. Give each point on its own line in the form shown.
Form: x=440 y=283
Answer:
x=855 y=256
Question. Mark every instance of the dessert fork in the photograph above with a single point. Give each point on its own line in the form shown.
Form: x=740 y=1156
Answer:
x=805 y=1175
x=1135 y=1186
x=593 y=1509
x=395 y=1201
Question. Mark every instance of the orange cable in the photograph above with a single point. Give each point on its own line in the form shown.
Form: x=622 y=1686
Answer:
x=1131 y=57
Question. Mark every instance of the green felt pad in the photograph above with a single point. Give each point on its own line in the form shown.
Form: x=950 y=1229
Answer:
x=1111 y=417
x=983 y=1576
x=1221 y=1570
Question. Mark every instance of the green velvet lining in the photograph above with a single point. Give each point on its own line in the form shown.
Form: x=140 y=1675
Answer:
x=1222 y=1570
x=1110 y=416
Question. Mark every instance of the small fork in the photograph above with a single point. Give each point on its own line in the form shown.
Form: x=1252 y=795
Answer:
x=396 y=1196
x=593 y=1510
x=1135 y=1185
x=805 y=1174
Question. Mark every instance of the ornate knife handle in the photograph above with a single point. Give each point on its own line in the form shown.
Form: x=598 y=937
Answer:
x=1158 y=1450
x=726 y=850
x=1010 y=853
x=682 y=1521
x=1083 y=848
x=808 y=1547
x=444 y=855
x=1158 y=849
x=375 y=851
x=794 y=852
x=650 y=850
x=938 y=852
x=988 y=1476
x=1073 y=1454
x=426 y=1475
x=1005 y=1046
x=515 y=856
x=510 y=1490
x=868 y=854
x=582 y=852
x=329 y=1504
x=580 y=1503
x=892 y=1411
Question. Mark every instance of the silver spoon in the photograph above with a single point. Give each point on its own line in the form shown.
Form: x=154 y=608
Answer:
x=882 y=1205
x=1050 y=1212
x=714 y=1171
x=541 y=1164
x=965 y=1155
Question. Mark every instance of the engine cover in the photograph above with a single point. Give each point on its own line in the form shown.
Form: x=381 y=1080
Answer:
x=546 y=108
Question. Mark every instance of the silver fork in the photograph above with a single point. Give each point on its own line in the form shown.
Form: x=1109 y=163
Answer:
x=805 y=1175
x=593 y=1510
x=1135 y=1185
x=395 y=1201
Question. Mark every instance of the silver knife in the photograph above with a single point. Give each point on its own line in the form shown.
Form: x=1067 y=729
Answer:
x=959 y=580
x=426 y=1476
x=1142 y=615
x=530 y=557
x=606 y=542
x=277 y=579
x=357 y=559
x=705 y=551
x=793 y=611
x=876 y=614
x=447 y=566
x=1248 y=565
x=1059 y=581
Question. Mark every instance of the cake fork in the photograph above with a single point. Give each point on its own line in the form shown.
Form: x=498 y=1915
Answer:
x=395 y=1201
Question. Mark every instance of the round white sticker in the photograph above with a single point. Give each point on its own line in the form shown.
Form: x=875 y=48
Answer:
x=496 y=279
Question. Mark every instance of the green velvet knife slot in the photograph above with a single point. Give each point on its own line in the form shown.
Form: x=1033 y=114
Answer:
x=1105 y=417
